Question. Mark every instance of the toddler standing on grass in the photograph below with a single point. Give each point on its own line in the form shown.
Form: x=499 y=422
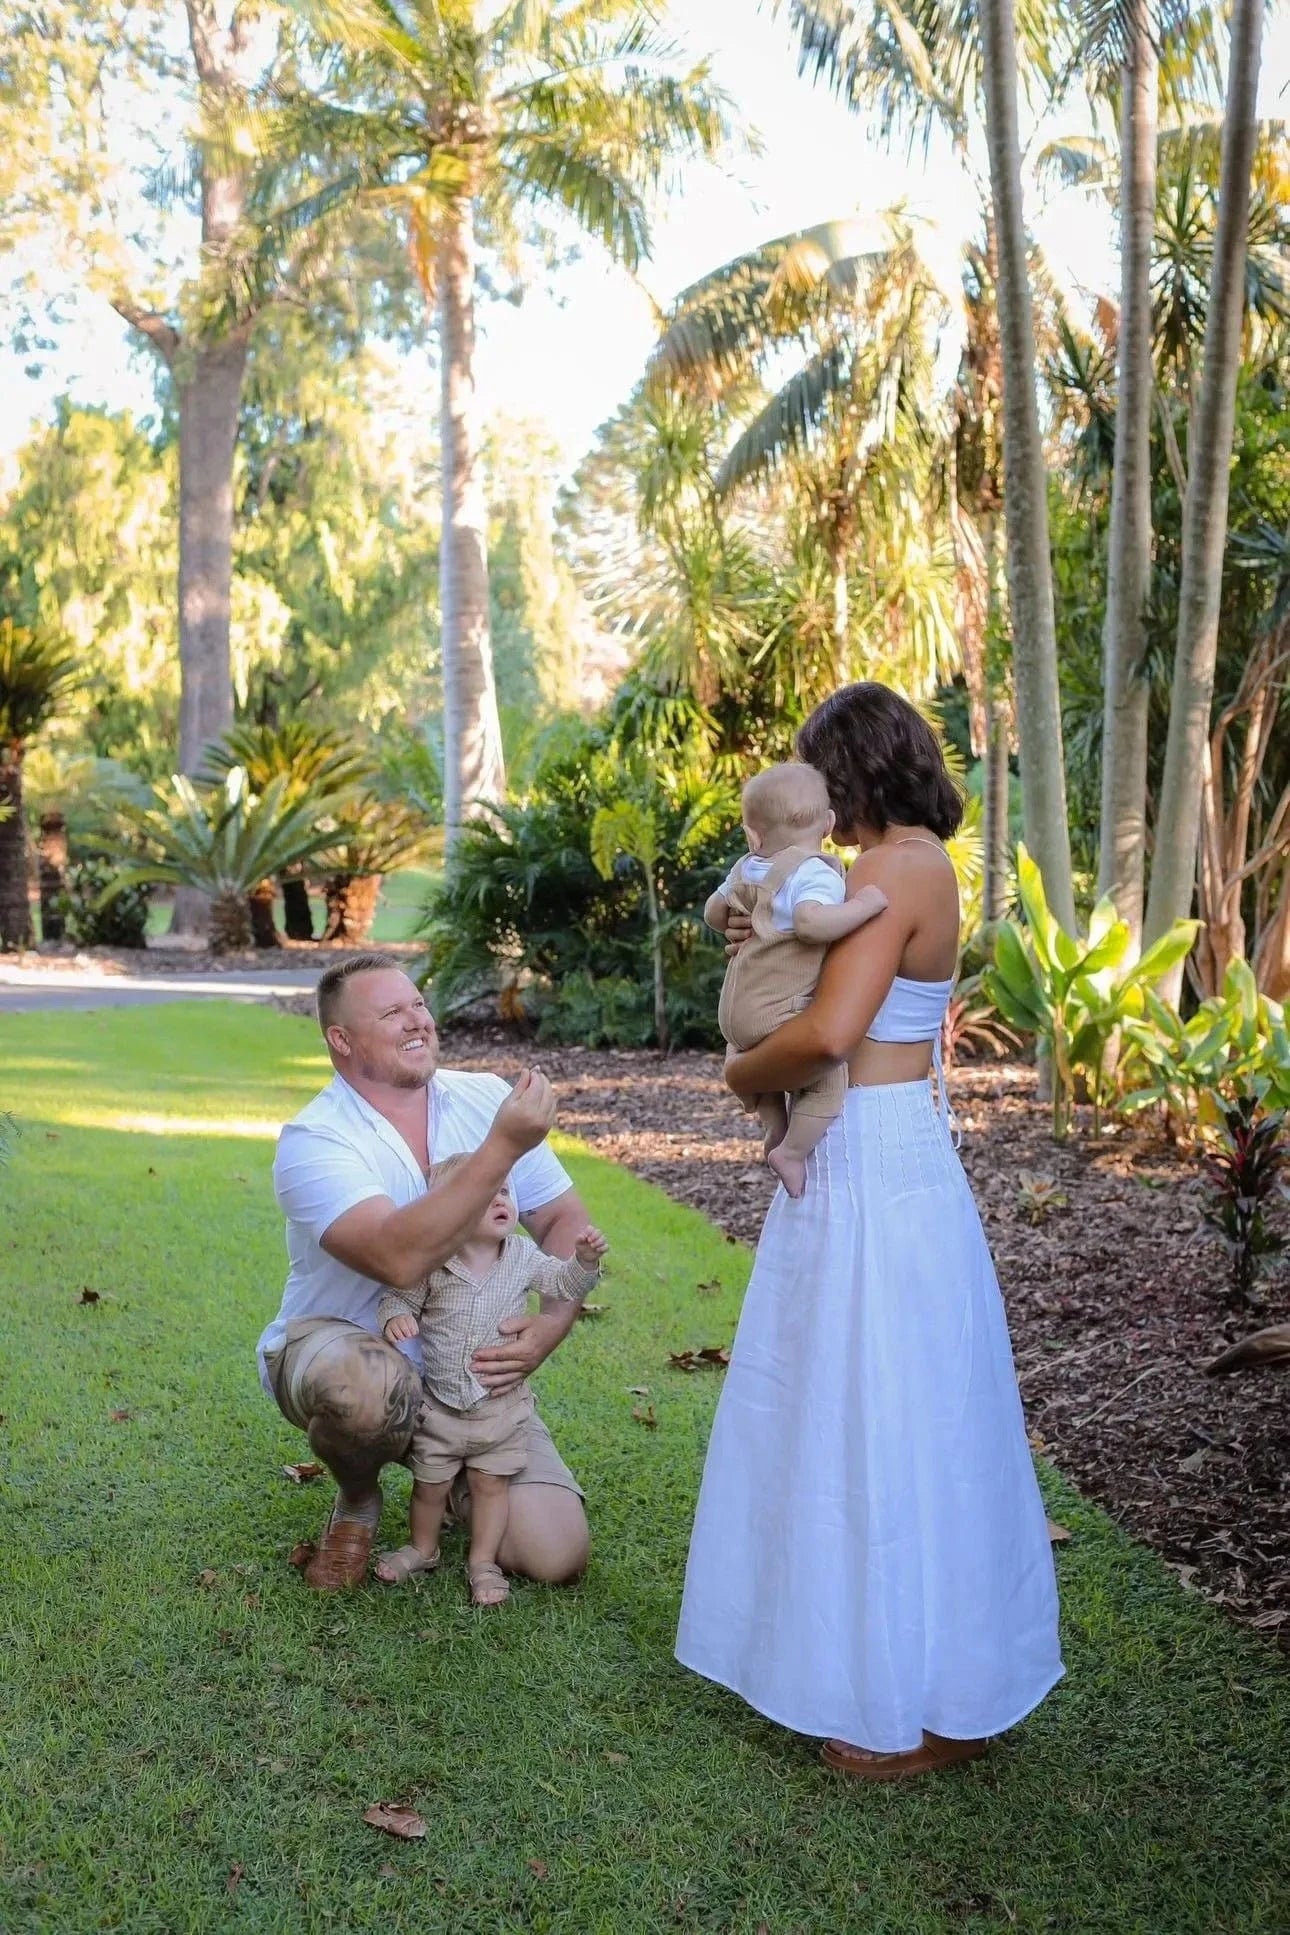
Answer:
x=455 y=1312
x=795 y=896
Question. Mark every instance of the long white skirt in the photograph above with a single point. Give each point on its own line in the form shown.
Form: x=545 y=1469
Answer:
x=870 y=1555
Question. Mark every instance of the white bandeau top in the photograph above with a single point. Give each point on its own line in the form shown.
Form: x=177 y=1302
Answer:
x=913 y=1010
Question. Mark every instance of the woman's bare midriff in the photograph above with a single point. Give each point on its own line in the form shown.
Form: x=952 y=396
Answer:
x=876 y=1064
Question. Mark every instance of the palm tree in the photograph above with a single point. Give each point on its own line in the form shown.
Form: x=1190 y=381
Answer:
x=378 y=837
x=1173 y=873
x=459 y=121
x=943 y=64
x=36 y=673
x=218 y=841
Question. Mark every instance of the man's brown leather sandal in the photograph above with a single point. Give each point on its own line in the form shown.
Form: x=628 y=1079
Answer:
x=342 y=1556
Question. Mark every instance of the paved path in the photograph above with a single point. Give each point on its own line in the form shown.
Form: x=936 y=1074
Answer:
x=25 y=989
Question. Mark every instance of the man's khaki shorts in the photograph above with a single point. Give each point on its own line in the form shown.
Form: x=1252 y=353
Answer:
x=491 y=1437
x=308 y=1338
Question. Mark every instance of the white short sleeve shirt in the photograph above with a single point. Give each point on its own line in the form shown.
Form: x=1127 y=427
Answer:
x=815 y=880
x=339 y=1152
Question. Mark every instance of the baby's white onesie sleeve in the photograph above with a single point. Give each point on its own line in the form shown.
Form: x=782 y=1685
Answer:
x=815 y=880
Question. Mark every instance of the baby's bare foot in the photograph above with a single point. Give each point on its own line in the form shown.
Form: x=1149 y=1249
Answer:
x=791 y=1171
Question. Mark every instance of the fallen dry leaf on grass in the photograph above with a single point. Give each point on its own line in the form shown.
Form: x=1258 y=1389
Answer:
x=616 y=1760
x=710 y=1287
x=711 y=1358
x=638 y=1390
x=120 y=1417
x=592 y=1309
x=300 y=1555
x=1057 y=1534
x=88 y=1296
x=539 y=1869
x=235 y=1874
x=386 y=1869
x=303 y=1474
x=645 y=1415
x=391 y=1817
x=208 y=1577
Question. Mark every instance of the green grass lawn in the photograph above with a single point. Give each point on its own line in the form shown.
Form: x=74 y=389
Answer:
x=188 y=1739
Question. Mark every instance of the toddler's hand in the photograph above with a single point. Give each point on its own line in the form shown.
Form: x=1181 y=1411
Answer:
x=590 y=1247
x=399 y=1329
x=738 y=929
x=870 y=902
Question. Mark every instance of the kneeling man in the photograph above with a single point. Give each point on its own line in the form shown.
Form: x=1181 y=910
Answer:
x=350 y=1178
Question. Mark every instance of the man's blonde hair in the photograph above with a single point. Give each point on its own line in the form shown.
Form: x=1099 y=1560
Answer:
x=792 y=795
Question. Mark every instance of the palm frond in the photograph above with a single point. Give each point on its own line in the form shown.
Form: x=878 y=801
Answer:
x=792 y=421
x=597 y=197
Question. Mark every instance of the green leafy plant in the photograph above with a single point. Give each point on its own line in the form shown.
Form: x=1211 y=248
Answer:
x=1191 y=1070
x=612 y=1012
x=1074 y=993
x=1244 y=1169
x=96 y=917
x=1038 y=1196
x=217 y=840
x=375 y=837
x=38 y=671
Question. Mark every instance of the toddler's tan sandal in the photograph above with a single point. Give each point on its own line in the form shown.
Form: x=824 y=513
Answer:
x=405 y=1564
x=488 y=1585
x=933 y=1757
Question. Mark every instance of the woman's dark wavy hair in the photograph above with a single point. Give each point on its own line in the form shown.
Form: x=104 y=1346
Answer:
x=881 y=762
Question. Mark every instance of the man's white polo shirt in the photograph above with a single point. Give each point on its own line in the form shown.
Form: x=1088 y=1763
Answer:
x=339 y=1152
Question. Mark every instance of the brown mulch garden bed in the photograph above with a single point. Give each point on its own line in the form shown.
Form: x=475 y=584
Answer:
x=1115 y=1298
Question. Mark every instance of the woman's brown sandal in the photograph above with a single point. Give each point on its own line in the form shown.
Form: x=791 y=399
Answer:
x=404 y=1564
x=488 y=1586
x=933 y=1757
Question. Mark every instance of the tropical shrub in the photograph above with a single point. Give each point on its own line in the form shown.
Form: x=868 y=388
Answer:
x=524 y=903
x=1236 y=1042
x=94 y=915
x=1075 y=993
x=1244 y=1169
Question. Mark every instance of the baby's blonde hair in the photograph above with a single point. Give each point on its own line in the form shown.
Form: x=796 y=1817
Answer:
x=792 y=795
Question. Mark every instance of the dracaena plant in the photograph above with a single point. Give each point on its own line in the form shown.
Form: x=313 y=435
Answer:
x=1074 y=992
x=1244 y=1167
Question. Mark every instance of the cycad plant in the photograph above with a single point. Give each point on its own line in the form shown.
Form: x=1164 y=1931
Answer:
x=220 y=840
x=37 y=671
x=314 y=763
x=466 y=125
x=378 y=836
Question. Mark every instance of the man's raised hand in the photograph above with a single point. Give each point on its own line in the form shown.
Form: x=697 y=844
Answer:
x=528 y=1113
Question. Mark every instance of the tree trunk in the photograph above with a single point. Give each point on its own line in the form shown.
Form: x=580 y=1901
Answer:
x=15 y=905
x=662 y=1033
x=260 y=905
x=1123 y=837
x=474 y=771
x=351 y=907
x=230 y=924
x=1025 y=483
x=51 y=850
x=1173 y=870
x=996 y=776
x=297 y=914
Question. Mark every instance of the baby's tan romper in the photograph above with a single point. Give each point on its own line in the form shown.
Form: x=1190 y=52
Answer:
x=773 y=977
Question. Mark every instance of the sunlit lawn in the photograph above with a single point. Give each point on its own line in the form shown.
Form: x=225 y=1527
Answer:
x=188 y=1739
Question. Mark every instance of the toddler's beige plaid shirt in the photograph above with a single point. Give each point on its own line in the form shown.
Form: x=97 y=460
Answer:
x=458 y=1314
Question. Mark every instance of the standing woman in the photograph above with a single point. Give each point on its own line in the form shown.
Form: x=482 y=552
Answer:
x=870 y=1559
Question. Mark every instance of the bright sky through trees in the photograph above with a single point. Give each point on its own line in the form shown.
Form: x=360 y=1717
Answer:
x=568 y=357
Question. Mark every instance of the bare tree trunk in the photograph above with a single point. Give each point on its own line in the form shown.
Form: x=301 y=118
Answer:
x=15 y=905
x=1123 y=837
x=996 y=776
x=208 y=391
x=474 y=771
x=1025 y=483
x=1173 y=871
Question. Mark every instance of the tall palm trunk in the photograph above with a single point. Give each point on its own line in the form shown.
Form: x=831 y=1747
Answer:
x=474 y=772
x=15 y=907
x=996 y=776
x=208 y=392
x=1025 y=482
x=1173 y=872
x=1123 y=837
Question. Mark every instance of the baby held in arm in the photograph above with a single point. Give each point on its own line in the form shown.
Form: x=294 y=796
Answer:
x=794 y=894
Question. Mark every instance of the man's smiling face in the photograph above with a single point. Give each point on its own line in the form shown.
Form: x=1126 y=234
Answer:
x=384 y=1032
